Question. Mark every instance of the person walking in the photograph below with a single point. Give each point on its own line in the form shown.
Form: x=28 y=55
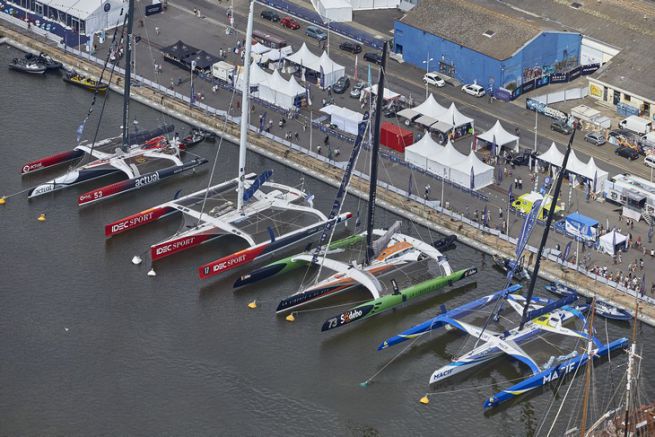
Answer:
x=157 y=30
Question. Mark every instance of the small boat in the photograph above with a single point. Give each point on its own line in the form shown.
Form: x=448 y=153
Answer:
x=603 y=309
x=26 y=66
x=44 y=60
x=196 y=136
x=506 y=264
x=85 y=82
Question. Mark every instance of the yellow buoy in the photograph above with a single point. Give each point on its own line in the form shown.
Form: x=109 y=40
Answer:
x=252 y=305
x=41 y=218
x=290 y=318
x=425 y=400
x=3 y=200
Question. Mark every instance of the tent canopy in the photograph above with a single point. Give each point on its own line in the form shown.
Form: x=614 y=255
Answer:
x=260 y=48
x=330 y=71
x=612 y=241
x=203 y=60
x=453 y=118
x=179 y=50
x=345 y=119
x=386 y=95
x=497 y=134
x=429 y=108
x=305 y=58
x=589 y=170
x=472 y=173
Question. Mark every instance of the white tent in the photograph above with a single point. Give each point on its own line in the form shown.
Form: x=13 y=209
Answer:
x=343 y=118
x=97 y=15
x=588 y=171
x=451 y=119
x=334 y=10
x=612 y=242
x=386 y=95
x=498 y=135
x=472 y=173
x=305 y=58
x=330 y=70
x=429 y=108
x=359 y=5
x=257 y=77
x=420 y=152
x=552 y=156
x=279 y=91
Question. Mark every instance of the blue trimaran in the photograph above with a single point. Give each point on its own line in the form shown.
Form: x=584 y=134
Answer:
x=538 y=316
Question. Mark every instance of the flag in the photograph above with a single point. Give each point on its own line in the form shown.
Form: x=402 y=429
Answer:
x=80 y=130
x=370 y=75
x=322 y=83
x=595 y=179
x=642 y=287
x=528 y=224
x=472 y=178
x=474 y=144
x=310 y=200
x=309 y=99
x=262 y=121
x=567 y=251
x=356 y=69
x=510 y=196
x=193 y=95
x=650 y=231
x=493 y=146
x=613 y=240
x=485 y=219
x=409 y=185
x=358 y=220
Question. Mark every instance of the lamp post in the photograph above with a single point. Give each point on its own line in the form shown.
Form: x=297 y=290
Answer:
x=193 y=67
x=427 y=61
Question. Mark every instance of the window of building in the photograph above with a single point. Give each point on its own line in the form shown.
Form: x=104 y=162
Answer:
x=83 y=27
x=489 y=33
x=38 y=8
x=626 y=97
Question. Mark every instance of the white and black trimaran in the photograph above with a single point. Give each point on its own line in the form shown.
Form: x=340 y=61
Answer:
x=139 y=157
x=268 y=216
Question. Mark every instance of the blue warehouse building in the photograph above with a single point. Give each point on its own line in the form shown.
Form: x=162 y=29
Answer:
x=485 y=42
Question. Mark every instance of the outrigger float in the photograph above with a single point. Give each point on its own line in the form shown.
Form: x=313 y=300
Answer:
x=603 y=309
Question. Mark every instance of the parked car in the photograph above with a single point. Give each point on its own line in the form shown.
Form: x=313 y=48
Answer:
x=316 y=33
x=341 y=85
x=290 y=23
x=649 y=160
x=473 y=89
x=561 y=127
x=351 y=47
x=627 y=152
x=434 y=79
x=595 y=138
x=270 y=16
x=523 y=159
x=374 y=57
x=356 y=92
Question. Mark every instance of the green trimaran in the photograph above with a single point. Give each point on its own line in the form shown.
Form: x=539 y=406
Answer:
x=388 y=254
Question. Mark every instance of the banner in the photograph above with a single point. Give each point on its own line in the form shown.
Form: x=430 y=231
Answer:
x=247 y=195
x=528 y=225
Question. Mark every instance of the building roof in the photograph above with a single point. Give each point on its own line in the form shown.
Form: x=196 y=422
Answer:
x=629 y=27
x=465 y=22
x=79 y=8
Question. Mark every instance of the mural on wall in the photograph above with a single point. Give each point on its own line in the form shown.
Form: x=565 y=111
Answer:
x=447 y=68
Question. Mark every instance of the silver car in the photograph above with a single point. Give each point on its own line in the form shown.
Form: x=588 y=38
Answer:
x=356 y=91
x=595 y=138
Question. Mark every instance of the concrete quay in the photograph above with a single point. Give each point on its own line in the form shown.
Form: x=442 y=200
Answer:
x=389 y=197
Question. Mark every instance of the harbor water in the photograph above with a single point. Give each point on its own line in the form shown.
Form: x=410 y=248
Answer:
x=92 y=345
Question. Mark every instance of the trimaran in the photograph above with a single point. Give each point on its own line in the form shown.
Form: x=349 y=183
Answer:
x=137 y=156
x=389 y=253
x=538 y=316
x=268 y=216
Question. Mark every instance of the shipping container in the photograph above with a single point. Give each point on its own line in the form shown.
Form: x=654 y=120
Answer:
x=395 y=137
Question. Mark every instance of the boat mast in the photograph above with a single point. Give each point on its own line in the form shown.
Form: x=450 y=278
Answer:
x=544 y=237
x=375 y=147
x=128 y=76
x=245 y=110
x=587 y=381
x=631 y=361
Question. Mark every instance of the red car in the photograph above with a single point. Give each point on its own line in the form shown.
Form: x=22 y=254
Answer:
x=290 y=23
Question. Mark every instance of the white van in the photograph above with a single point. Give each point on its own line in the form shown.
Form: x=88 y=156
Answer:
x=636 y=124
x=649 y=160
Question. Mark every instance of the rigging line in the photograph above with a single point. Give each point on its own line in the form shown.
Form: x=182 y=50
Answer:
x=575 y=373
x=218 y=150
x=390 y=361
x=104 y=100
